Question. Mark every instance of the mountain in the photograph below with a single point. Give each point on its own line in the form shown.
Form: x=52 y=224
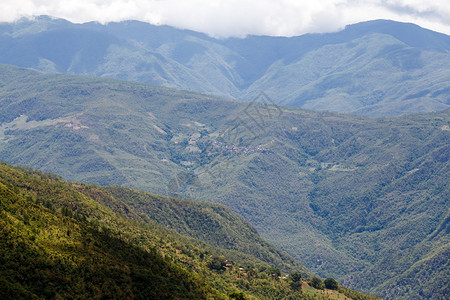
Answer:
x=362 y=200
x=375 y=68
x=62 y=239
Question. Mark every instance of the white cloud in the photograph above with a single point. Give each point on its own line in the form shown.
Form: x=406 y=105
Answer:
x=222 y=18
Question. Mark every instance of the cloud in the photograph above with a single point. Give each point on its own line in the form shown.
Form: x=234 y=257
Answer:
x=224 y=18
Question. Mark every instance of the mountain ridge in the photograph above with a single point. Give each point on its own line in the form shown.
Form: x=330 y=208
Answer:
x=375 y=68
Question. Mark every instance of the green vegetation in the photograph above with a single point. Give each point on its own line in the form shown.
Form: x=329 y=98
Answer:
x=317 y=283
x=45 y=254
x=364 y=201
x=58 y=240
x=331 y=284
x=212 y=223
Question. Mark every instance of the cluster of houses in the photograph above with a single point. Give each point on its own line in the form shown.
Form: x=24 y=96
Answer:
x=238 y=149
x=229 y=266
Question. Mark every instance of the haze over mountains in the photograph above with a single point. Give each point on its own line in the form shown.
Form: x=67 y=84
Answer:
x=361 y=200
x=375 y=68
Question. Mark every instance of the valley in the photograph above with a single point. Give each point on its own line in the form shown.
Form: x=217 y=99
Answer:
x=361 y=200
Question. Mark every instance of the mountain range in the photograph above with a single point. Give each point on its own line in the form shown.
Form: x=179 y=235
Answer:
x=376 y=68
x=362 y=200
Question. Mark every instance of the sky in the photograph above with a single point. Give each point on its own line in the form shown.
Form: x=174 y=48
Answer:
x=238 y=18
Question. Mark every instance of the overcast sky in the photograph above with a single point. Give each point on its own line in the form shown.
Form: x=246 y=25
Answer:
x=223 y=18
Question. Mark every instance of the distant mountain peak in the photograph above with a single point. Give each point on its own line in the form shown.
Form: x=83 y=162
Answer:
x=409 y=33
x=374 y=68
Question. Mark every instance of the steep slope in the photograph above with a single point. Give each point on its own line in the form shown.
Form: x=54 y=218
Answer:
x=376 y=68
x=57 y=242
x=320 y=186
x=211 y=223
x=49 y=255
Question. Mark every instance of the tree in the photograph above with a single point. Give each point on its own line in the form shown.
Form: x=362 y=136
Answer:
x=317 y=283
x=216 y=263
x=295 y=276
x=331 y=284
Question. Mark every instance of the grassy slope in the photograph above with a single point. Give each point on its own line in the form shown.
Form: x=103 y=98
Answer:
x=320 y=186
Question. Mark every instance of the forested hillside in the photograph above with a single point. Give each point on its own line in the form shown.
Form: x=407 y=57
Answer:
x=346 y=196
x=375 y=68
x=58 y=242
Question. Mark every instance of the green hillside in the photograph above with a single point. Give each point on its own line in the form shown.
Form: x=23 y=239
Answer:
x=374 y=68
x=362 y=200
x=211 y=223
x=58 y=242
